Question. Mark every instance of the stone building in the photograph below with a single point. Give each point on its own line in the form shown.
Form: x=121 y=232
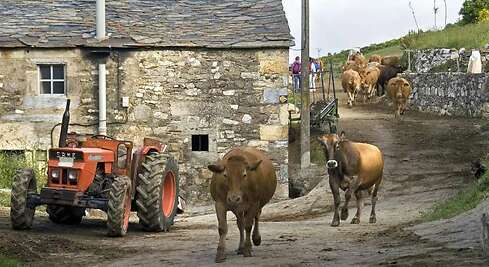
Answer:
x=202 y=76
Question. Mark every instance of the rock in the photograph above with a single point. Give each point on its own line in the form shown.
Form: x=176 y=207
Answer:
x=230 y=122
x=142 y=113
x=229 y=92
x=246 y=119
x=274 y=132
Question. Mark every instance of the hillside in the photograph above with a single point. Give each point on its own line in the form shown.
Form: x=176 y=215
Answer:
x=453 y=36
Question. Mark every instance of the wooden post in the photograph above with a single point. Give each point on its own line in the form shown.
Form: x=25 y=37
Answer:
x=305 y=107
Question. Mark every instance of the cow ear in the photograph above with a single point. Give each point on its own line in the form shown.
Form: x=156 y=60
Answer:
x=342 y=135
x=216 y=168
x=255 y=165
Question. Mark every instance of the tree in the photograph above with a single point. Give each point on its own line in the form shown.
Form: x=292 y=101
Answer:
x=471 y=10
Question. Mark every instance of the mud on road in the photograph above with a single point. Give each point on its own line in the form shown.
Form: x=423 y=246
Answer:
x=426 y=161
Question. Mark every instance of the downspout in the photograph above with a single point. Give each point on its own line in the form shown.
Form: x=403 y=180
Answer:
x=102 y=71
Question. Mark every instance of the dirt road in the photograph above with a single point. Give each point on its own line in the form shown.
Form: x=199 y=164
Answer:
x=425 y=161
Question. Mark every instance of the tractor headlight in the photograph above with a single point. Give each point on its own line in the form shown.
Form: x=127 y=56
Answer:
x=55 y=174
x=72 y=176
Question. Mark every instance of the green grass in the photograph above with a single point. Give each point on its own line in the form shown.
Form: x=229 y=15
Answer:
x=464 y=200
x=455 y=36
x=10 y=163
x=4 y=199
x=467 y=36
x=8 y=262
x=317 y=153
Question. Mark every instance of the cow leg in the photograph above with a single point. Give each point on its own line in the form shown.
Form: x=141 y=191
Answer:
x=358 y=195
x=256 y=230
x=248 y=224
x=373 y=218
x=221 y=213
x=344 y=210
x=335 y=189
x=240 y=222
x=350 y=99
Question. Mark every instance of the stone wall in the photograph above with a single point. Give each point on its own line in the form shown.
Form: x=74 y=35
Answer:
x=231 y=95
x=439 y=60
x=450 y=94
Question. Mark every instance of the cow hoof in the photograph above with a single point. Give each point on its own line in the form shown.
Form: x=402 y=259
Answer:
x=220 y=257
x=372 y=220
x=239 y=251
x=256 y=240
x=355 y=221
x=335 y=224
x=344 y=214
x=247 y=252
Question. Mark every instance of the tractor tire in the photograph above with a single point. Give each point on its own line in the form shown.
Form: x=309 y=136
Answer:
x=157 y=192
x=119 y=206
x=21 y=215
x=65 y=215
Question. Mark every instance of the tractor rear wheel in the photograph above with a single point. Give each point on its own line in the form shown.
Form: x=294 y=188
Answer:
x=65 y=215
x=119 y=206
x=157 y=192
x=24 y=183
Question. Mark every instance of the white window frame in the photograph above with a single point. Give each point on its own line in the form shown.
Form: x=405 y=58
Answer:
x=51 y=80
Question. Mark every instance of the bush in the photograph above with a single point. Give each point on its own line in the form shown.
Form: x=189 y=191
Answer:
x=10 y=163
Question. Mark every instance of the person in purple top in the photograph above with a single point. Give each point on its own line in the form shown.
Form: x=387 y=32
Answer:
x=296 y=74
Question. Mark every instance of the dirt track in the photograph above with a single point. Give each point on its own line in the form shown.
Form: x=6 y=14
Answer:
x=425 y=161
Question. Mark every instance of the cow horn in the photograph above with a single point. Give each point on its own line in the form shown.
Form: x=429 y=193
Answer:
x=216 y=168
x=255 y=165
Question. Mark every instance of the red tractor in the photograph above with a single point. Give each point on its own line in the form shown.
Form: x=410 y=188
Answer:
x=98 y=172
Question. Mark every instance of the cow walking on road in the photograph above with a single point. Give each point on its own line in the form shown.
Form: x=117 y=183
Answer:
x=243 y=182
x=353 y=167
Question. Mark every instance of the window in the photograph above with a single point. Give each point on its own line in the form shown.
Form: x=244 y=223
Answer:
x=52 y=79
x=200 y=142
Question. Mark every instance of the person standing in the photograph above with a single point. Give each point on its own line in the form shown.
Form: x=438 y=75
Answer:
x=313 y=73
x=296 y=74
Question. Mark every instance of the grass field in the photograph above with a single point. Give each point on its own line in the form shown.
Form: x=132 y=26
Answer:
x=463 y=201
x=7 y=262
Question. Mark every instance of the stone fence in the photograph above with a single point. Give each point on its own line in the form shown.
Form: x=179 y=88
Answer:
x=439 y=60
x=450 y=94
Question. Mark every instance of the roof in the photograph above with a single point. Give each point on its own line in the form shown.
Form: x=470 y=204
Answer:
x=145 y=23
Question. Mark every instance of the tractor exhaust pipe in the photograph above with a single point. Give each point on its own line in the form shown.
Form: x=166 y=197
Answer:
x=64 y=125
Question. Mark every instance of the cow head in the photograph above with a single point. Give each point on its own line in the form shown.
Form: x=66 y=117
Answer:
x=331 y=146
x=235 y=172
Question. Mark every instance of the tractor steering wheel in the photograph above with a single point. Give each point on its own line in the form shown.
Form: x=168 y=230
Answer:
x=99 y=136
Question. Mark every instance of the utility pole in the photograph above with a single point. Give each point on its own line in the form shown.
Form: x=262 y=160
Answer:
x=414 y=15
x=305 y=107
x=446 y=11
x=435 y=10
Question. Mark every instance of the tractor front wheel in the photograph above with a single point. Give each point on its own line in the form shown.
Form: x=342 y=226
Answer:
x=157 y=192
x=65 y=215
x=21 y=215
x=119 y=206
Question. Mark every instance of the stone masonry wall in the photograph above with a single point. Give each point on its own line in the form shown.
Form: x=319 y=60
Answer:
x=439 y=60
x=451 y=94
x=231 y=95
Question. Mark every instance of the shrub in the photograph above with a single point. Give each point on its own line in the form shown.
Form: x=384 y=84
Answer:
x=10 y=163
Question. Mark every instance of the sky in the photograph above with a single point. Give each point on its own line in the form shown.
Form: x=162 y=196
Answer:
x=337 y=25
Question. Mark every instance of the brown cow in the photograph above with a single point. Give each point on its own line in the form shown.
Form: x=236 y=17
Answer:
x=399 y=90
x=351 y=82
x=369 y=82
x=353 y=167
x=243 y=182
x=375 y=58
x=393 y=61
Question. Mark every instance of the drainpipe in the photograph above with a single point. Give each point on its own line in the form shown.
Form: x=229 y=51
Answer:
x=102 y=72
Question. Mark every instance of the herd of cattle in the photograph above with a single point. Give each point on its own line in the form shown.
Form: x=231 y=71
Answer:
x=373 y=76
